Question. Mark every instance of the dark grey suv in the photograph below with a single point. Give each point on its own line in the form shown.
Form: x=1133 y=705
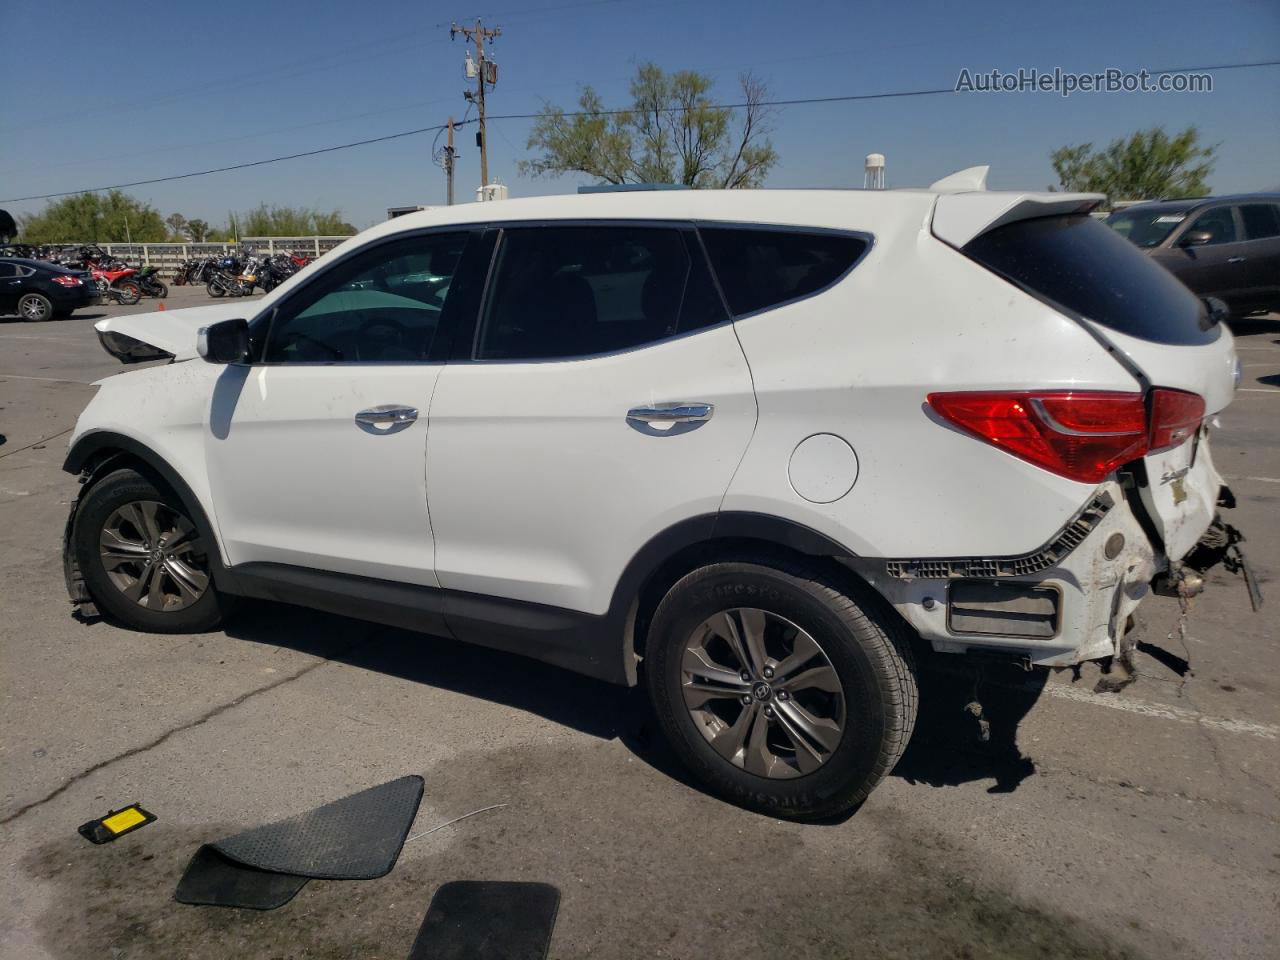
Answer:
x=1225 y=247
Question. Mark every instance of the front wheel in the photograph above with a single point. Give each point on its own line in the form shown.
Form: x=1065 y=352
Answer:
x=779 y=690
x=214 y=289
x=142 y=559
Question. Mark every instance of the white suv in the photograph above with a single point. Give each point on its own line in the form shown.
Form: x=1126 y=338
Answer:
x=749 y=448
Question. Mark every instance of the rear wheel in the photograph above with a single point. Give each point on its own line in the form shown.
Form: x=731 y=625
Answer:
x=778 y=690
x=142 y=558
x=160 y=290
x=35 y=307
x=130 y=292
x=214 y=289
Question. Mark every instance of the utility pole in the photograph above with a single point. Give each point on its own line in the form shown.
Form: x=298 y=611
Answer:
x=448 y=162
x=484 y=71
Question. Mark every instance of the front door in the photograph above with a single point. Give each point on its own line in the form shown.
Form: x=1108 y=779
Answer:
x=1216 y=268
x=603 y=399
x=317 y=449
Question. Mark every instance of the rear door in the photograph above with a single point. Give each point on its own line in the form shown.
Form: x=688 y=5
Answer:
x=1159 y=328
x=1261 y=222
x=603 y=398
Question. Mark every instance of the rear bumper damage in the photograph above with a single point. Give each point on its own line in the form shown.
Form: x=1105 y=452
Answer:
x=1068 y=602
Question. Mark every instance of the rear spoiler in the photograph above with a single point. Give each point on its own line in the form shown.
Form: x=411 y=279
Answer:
x=959 y=217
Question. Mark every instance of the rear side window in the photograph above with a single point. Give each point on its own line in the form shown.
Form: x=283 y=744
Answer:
x=561 y=292
x=1081 y=265
x=1261 y=220
x=759 y=269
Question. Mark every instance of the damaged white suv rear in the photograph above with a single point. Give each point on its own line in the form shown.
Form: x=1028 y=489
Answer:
x=757 y=450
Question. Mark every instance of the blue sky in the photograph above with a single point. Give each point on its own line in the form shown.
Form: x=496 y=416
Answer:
x=148 y=90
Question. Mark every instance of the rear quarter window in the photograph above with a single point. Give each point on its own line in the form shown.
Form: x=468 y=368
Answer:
x=760 y=268
x=1083 y=267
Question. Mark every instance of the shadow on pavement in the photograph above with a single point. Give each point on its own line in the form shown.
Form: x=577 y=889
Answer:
x=957 y=742
x=946 y=749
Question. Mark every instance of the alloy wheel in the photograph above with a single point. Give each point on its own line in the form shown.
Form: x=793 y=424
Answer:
x=763 y=693
x=153 y=555
x=34 y=308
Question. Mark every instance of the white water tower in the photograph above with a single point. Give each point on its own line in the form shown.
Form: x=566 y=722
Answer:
x=873 y=178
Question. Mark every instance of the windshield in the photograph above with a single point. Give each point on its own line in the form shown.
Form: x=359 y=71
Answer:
x=1146 y=228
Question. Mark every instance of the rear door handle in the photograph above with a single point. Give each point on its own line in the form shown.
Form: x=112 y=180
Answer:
x=1236 y=259
x=672 y=413
x=390 y=413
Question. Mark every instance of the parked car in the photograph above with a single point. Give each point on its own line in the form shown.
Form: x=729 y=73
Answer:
x=1224 y=247
x=36 y=290
x=757 y=450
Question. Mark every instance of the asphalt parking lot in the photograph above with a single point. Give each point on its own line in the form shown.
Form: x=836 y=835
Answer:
x=1144 y=823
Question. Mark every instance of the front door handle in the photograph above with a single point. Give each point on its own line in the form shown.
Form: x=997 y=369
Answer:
x=1235 y=259
x=672 y=413
x=392 y=414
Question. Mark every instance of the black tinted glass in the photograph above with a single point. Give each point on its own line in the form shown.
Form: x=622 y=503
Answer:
x=381 y=306
x=1083 y=265
x=759 y=269
x=1261 y=220
x=1219 y=223
x=578 y=291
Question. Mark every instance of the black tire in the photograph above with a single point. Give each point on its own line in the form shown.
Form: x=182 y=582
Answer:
x=116 y=490
x=214 y=289
x=35 y=307
x=863 y=640
x=160 y=291
x=130 y=292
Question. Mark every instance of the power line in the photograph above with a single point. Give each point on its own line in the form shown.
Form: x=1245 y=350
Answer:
x=848 y=98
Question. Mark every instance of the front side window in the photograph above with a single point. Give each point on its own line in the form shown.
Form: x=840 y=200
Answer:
x=1219 y=223
x=1261 y=220
x=576 y=291
x=381 y=306
x=759 y=268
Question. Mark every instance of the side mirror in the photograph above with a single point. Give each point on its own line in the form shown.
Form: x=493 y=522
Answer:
x=1217 y=309
x=225 y=342
x=1195 y=238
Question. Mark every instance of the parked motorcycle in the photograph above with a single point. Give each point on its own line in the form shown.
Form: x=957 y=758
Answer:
x=152 y=286
x=122 y=279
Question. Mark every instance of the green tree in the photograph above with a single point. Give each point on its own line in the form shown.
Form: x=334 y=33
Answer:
x=276 y=221
x=672 y=133
x=1147 y=165
x=177 y=225
x=198 y=230
x=113 y=217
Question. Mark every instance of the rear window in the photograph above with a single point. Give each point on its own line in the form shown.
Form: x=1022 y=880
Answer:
x=760 y=268
x=1084 y=267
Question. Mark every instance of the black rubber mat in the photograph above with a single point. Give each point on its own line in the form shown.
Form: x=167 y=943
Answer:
x=212 y=880
x=488 y=920
x=356 y=838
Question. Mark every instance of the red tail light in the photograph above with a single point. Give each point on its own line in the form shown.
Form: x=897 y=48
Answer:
x=1175 y=417
x=1083 y=436
x=66 y=281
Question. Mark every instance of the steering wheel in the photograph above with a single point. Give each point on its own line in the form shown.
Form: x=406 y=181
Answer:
x=399 y=333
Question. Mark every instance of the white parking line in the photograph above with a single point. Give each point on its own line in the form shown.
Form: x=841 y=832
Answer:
x=14 y=376
x=1259 y=479
x=1162 y=711
x=1257 y=390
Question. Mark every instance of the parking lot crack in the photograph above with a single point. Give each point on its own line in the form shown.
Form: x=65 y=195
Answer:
x=161 y=739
